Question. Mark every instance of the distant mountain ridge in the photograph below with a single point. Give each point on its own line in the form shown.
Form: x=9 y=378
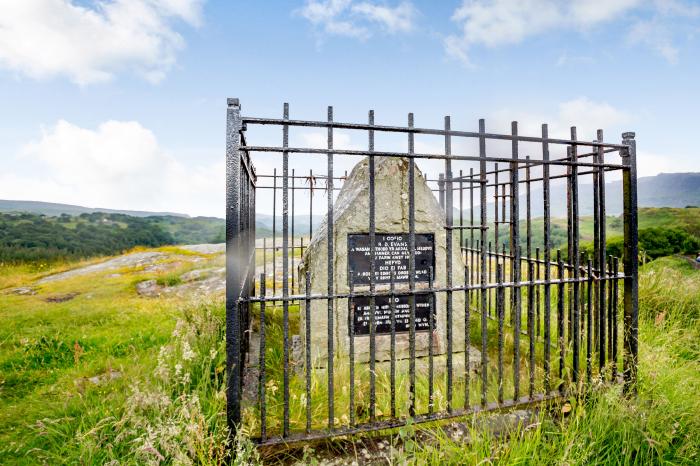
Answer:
x=662 y=190
x=55 y=209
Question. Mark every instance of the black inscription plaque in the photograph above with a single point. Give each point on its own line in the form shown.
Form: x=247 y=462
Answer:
x=382 y=314
x=390 y=254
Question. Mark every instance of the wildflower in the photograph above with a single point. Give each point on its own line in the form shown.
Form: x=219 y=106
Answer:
x=271 y=387
x=187 y=353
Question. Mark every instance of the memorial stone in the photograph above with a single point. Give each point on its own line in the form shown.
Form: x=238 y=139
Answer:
x=351 y=258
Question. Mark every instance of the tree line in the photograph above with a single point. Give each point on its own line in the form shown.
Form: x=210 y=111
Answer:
x=26 y=237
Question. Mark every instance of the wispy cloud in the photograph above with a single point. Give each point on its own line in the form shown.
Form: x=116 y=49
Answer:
x=358 y=20
x=493 y=23
x=90 y=42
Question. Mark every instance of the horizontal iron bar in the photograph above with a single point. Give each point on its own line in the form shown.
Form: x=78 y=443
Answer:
x=316 y=177
x=424 y=291
x=465 y=227
x=421 y=418
x=528 y=165
x=474 y=158
x=439 y=132
x=299 y=188
x=532 y=180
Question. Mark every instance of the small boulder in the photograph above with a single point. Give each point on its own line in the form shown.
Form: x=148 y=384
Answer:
x=192 y=275
x=148 y=288
x=61 y=298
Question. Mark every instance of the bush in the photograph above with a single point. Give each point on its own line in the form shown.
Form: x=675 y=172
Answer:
x=654 y=242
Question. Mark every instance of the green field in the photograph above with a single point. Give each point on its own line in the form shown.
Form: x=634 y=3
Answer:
x=112 y=376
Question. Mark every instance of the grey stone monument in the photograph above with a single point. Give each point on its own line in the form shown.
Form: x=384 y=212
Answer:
x=351 y=252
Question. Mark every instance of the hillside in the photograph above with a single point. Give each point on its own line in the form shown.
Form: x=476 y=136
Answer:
x=27 y=237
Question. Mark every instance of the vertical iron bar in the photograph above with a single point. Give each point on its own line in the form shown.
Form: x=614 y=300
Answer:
x=589 y=322
x=412 y=270
x=547 y=257
x=441 y=191
x=528 y=210
x=285 y=265
x=614 y=322
x=495 y=209
x=392 y=306
x=576 y=258
x=494 y=253
x=311 y=204
x=467 y=334
x=261 y=363
x=531 y=324
x=372 y=278
x=431 y=355
x=330 y=256
x=601 y=255
x=448 y=246
x=233 y=263
x=538 y=315
x=560 y=316
x=610 y=312
x=351 y=346
x=307 y=321
x=471 y=222
x=484 y=330
x=292 y=232
x=515 y=251
x=631 y=264
x=569 y=238
x=596 y=252
x=461 y=213
x=274 y=232
x=500 y=310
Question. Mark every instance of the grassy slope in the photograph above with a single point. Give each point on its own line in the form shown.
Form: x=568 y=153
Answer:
x=49 y=411
x=169 y=401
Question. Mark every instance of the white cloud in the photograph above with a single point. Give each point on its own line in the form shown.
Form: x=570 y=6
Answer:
x=90 y=43
x=356 y=19
x=591 y=12
x=493 y=23
x=656 y=36
x=120 y=164
x=586 y=114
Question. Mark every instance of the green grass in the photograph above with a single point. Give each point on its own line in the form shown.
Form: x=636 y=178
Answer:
x=50 y=411
x=167 y=405
x=660 y=426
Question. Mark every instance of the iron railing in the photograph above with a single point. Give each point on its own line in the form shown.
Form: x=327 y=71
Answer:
x=569 y=301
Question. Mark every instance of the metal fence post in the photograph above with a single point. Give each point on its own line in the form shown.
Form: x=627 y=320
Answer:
x=631 y=251
x=233 y=264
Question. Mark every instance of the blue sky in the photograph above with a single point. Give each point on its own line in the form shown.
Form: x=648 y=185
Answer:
x=121 y=103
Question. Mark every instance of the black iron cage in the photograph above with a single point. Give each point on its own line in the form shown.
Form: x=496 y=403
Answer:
x=539 y=298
